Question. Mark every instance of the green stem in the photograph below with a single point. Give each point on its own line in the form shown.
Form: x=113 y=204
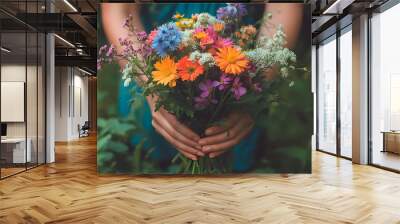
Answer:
x=193 y=167
x=219 y=107
x=198 y=167
x=187 y=168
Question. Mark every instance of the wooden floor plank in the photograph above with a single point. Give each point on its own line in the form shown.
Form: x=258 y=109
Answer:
x=71 y=191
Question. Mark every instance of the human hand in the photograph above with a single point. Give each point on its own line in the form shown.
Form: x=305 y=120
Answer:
x=220 y=138
x=180 y=136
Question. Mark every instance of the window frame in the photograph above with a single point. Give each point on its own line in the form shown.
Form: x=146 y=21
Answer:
x=334 y=37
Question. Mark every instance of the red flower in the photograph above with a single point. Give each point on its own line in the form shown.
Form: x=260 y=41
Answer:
x=189 y=70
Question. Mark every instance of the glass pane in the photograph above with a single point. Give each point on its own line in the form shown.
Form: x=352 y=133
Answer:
x=41 y=99
x=385 y=89
x=13 y=86
x=32 y=86
x=327 y=96
x=32 y=98
x=314 y=84
x=346 y=94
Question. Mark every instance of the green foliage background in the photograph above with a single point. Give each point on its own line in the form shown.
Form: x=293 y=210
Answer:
x=285 y=146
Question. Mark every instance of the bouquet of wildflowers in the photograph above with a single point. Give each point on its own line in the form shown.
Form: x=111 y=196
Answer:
x=202 y=67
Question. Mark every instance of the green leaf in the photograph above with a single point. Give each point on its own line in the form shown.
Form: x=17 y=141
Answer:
x=105 y=156
x=117 y=147
x=102 y=142
x=137 y=156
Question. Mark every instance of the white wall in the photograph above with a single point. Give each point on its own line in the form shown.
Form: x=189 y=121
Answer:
x=80 y=111
x=33 y=126
x=10 y=73
x=71 y=102
x=61 y=103
x=17 y=73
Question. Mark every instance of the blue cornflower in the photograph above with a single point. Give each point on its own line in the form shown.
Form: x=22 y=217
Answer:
x=167 y=39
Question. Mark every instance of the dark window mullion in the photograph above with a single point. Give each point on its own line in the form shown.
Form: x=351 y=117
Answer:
x=26 y=86
x=338 y=92
x=37 y=89
x=369 y=96
x=0 y=95
x=317 y=96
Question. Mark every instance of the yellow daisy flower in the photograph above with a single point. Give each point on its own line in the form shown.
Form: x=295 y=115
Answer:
x=178 y=16
x=184 y=23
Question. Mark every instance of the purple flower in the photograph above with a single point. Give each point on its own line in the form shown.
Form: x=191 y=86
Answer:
x=102 y=48
x=141 y=36
x=240 y=7
x=222 y=13
x=110 y=51
x=127 y=21
x=200 y=103
x=105 y=55
x=207 y=87
x=224 y=81
x=252 y=68
x=231 y=12
x=238 y=89
x=99 y=64
x=257 y=87
x=146 y=50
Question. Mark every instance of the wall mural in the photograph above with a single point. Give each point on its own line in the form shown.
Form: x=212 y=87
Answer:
x=192 y=88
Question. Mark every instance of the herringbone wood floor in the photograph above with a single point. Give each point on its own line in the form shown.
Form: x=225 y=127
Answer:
x=70 y=191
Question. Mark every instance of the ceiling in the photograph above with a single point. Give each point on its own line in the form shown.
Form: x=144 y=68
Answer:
x=74 y=22
x=331 y=15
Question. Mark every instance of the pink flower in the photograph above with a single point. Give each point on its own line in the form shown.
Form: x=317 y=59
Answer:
x=211 y=33
x=151 y=36
x=220 y=43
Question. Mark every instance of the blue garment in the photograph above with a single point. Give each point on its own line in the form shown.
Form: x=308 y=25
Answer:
x=243 y=153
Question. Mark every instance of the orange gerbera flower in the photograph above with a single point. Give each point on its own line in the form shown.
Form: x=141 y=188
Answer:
x=231 y=61
x=200 y=35
x=189 y=70
x=204 y=38
x=166 y=72
x=218 y=27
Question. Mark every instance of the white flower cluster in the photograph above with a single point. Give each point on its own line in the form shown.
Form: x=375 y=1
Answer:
x=187 y=36
x=203 y=58
x=260 y=57
x=271 y=51
x=204 y=19
x=127 y=74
